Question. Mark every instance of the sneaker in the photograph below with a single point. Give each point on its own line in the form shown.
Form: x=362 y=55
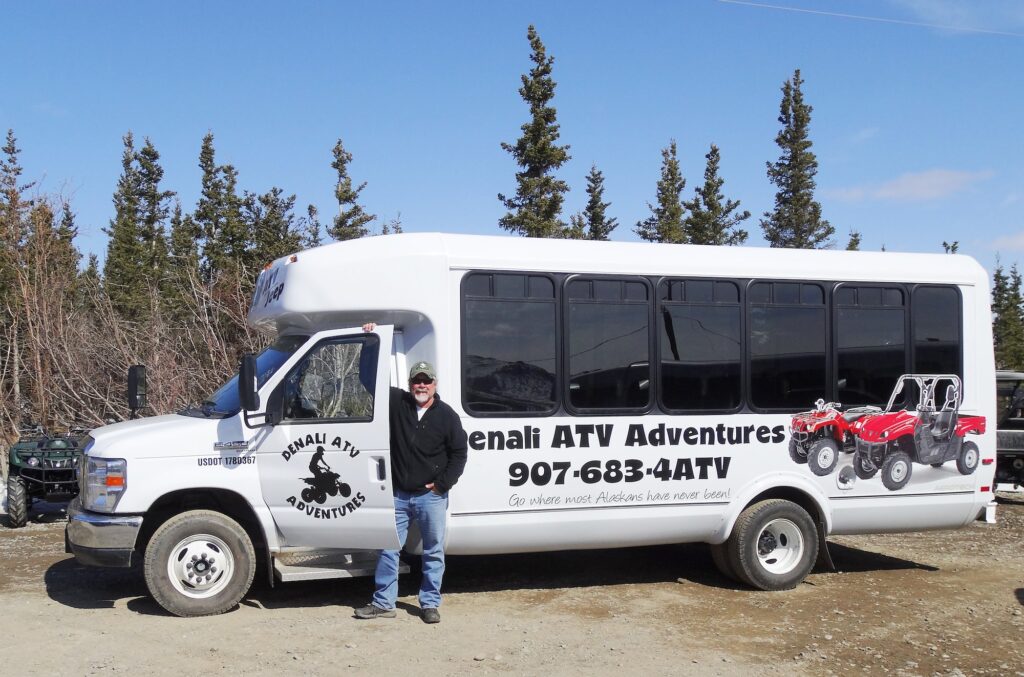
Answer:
x=431 y=616
x=374 y=611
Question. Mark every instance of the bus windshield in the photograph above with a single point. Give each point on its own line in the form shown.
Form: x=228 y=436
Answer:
x=224 y=402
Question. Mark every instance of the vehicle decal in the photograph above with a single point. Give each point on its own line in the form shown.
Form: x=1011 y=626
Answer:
x=323 y=483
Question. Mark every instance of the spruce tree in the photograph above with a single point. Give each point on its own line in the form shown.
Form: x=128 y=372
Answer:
x=14 y=206
x=951 y=247
x=153 y=211
x=218 y=215
x=352 y=219
x=124 y=274
x=1008 y=318
x=796 y=220
x=593 y=222
x=535 y=209
x=271 y=220
x=667 y=220
x=854 y=244
x=311 y=237
x=392 y=227
x=713 y=219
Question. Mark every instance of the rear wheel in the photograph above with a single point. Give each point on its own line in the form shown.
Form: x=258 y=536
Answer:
x=967 y=459
x=773 y=545
x=823 y=456
x=720 y=556
x=17 y=502
x=199 y=563
x=896 y=470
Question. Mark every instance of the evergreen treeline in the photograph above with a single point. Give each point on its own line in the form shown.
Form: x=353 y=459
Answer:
x=176 y=280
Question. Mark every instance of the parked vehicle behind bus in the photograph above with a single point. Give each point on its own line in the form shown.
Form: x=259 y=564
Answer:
x=614 y=394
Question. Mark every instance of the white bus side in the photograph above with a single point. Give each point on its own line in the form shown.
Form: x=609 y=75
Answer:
x=614 y=394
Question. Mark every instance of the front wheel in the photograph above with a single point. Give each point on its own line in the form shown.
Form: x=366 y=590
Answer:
x=17 y=502
x=896 y=470
x=967 y=459
x=199 y=563
x=797 y=452
x=823 y=456
x=864 y=467
x=773 y=545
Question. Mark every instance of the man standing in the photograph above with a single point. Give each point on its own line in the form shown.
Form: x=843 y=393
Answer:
x=428 y=454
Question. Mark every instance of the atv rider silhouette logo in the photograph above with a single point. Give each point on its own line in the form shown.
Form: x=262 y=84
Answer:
x=324 y=482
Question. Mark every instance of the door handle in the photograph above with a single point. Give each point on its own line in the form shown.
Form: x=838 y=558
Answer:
x=381 y=473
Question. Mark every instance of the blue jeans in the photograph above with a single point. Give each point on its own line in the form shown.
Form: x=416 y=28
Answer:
x=429 y=512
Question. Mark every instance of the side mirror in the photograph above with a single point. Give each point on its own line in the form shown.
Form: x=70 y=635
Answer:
x=137 y=388
x=247 y=394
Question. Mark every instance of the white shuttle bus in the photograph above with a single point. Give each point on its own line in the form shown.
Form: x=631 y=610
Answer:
x=614 y=394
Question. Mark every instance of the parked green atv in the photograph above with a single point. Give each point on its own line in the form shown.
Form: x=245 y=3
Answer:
x=42 y=466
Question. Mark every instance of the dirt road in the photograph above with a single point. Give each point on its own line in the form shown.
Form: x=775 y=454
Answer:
x=939 y=603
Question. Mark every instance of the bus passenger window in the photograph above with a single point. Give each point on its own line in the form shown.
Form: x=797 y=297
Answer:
x=700 y=345
x=509 y=344
x=608 y=339
x=787 y=338
x=871 y=343
x=936 y=330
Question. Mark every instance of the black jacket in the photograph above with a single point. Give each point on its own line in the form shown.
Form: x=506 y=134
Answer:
x=431 y=449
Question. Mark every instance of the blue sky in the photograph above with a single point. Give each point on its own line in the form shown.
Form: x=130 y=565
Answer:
x=917 y=120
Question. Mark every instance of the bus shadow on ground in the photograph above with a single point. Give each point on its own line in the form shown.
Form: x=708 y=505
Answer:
x=84 y=587
x=854 y=560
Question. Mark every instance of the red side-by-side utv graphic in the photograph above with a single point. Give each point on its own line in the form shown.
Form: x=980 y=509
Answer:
x=916 y=426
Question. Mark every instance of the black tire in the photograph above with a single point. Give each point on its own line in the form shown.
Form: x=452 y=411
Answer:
x=773 y=545
x=199 y=541
x=823 y=456
x=720 y=556
x=346 y=490
x=968 y=458
x=307 y=495
x=796 y=452
x=863 y=467
x=17 y=502
x=896 y=470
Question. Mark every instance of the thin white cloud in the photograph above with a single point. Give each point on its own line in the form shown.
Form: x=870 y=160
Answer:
x=932 y=184
x=865 y=134
x=1012 y=198
x=49 y=110
x=1009 y=243
x=989 y=16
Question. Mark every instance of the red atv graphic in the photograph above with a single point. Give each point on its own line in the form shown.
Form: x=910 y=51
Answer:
x=817 y=436
x=933 y=433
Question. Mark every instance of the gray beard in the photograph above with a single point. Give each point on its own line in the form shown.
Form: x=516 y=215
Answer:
x=421 y=398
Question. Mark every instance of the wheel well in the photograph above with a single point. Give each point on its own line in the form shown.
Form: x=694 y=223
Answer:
x=220 y=500
x=795 y=496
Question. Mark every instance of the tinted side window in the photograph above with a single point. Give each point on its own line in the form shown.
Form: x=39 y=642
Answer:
x=936 y=330
x=335 y=380
x=787 y=345
x=700 y=346
x=871 y=345
x=608 y=344
x=509 y=344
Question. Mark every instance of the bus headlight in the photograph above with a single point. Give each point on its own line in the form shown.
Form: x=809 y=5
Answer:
x=105 y=482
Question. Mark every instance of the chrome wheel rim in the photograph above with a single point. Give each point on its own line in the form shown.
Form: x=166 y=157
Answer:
x=200 y=566
x=780 y=546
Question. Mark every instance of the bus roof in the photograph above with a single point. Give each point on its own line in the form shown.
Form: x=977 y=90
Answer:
x=337 y=276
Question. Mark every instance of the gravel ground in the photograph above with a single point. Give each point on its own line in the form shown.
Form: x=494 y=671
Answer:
x=936 y=603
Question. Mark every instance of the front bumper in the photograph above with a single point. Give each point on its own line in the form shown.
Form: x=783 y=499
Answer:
x=101 y=540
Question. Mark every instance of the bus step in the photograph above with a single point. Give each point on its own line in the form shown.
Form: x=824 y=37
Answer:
x=323 y=564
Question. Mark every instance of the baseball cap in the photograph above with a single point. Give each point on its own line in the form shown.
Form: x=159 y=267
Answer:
x=422 y=368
